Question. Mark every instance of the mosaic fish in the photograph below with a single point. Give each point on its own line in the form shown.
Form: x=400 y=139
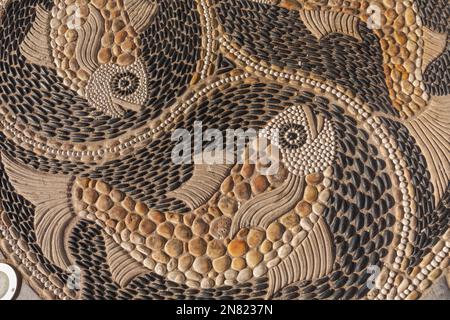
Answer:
x=94 y=46
x=362 y=179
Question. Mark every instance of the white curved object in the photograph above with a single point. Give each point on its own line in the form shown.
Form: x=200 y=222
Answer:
x=12 y=283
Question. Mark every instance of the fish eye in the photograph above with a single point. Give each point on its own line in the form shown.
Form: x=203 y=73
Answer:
x=292 y=136
x=125 y=83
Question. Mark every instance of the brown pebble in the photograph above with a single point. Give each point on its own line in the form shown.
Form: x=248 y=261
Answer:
x=303 y=208
x=215 y=249
x=132 y=221
x=310 y=194
x=266 y=246
x=290 y=220
x=90 y=196
x=183 y=233
x=228 y=206
x=200 y=227
x=275 y=231
x=259 y=184
x=221 y=264
x=237 y=248
x=314 y=178
x=157 y=217
x=129 y=204
x=255 y=237
x=253 y=258
x=160 y=256
x=103 y=187
x=165 y=229
x=104 y=55
x=155 y=242
x=238 y=264
x=125 y=59
x=227 y=185
x=202 y=265
x=220 y=227
x=146 y=227
x=197 y=246
x=247 y=170
x=104 y=203
x=116 y=195
x=118 y=213
x=174 y=248
x=185 y=262
x=141 y=208
x=188 y=219
x=242 y=191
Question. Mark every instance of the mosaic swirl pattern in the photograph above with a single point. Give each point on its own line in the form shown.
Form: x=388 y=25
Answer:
x=354 y=95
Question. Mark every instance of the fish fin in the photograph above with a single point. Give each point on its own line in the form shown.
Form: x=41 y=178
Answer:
x=434 y=45
x=53 y=217
x=323 y=22
x=122 y=266
x=312 y=259
x=89 y=40
x=205 y=181
x=140 y=13
x=431 y=130
x=36 y=45
x=266 y=207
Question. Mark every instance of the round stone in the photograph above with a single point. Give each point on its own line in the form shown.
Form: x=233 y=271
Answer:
x=238 y=263
x=227 y=185
x=266 y=246
x=185 y=262
x=197 y=246
x=244 y=275
x=165 y=229
x=155 y=242
x=260 y=270
x=259 y=184
x=157 y=217
x=220 y=227
x=132 y=221
x=128 y=204
x=174 y=248
x=207 y=283
x=141 y=208
x=314 y=178
x=202 y=265
x=90 y=196
x=242 y=191
x=247 y=170
x=253 y=258
x=116 y=196
x=160 y=257
x=303 y=208
x=200 y=227
x=255 y=237
x=102 y=187
x=183 y=233
x=215 y=249
x=118 y=213
x=221 y=264
x=104 y=202
x=146 y=227
x=275 y=231
x=237 y=248
x=136 y=238
x=310 y=194
x=228 y=206
x=290 y=220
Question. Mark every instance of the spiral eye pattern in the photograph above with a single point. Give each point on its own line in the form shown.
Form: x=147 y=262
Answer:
x=292 y=136
x=125 y=83
x=306 y=140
